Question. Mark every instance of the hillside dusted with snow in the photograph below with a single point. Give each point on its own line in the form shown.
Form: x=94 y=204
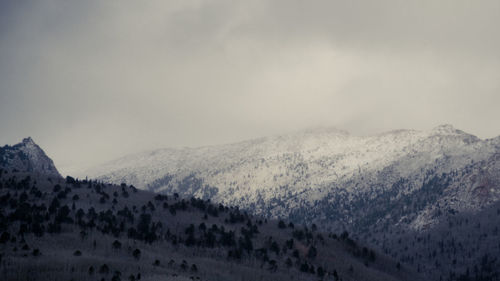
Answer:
x=429 y=199
x=310 y=170
x=56 y=229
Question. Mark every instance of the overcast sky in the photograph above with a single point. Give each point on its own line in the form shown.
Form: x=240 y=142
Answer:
x=91 y=81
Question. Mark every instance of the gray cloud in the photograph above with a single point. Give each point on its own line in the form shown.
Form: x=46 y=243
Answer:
x=93 y=80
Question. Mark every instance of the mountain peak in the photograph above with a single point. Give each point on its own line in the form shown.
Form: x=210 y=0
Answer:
x=325 y=130
x=449 y=130
x=445 y=128
x=27 y=156
x=28 y=140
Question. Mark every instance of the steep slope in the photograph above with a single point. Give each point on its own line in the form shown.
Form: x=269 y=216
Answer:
x=405 y=192
x=276 y=175
x=459 y=246
x=51 y=229
x=27 y=156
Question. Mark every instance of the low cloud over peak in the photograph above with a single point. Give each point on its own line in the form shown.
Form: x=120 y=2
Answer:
x=117 y=77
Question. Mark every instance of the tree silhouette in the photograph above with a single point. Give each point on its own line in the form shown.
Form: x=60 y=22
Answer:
x=137 y=254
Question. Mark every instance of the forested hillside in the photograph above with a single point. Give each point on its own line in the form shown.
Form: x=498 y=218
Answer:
x=56 y=229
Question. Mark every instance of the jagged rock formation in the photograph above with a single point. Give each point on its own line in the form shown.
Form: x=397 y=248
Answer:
x=27 y=156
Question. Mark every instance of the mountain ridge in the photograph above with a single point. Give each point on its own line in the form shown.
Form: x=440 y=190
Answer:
x=84 y=230
x=405 y=192
x=27 y=156
x=444 y=128
x=307 y=144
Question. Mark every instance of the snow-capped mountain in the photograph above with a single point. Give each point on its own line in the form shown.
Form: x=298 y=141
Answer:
x=27 y=156
x=325 y=175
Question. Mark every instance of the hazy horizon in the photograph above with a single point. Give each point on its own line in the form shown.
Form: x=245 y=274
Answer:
x=78 y=168
x=92 y=81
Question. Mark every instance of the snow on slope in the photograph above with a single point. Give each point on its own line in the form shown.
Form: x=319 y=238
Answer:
x=27 y=156
x=308 y=160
